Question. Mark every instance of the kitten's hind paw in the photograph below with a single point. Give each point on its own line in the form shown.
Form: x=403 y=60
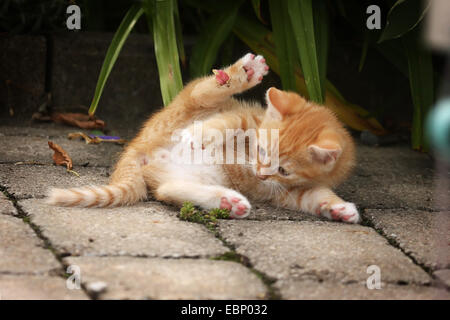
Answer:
x=239 y=206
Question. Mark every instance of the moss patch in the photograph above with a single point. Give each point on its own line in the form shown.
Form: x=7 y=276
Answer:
x=191 y=213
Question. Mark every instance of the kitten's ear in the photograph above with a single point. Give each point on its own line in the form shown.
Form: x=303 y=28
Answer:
x=326 y=156
x=281 y=103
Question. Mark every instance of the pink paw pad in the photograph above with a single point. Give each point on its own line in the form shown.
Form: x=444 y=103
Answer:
x=224 y=204
x=255 y=67
x=347 y=217
x=221 y=77
x=336 y=213
x=238 y=207
x=241 y=209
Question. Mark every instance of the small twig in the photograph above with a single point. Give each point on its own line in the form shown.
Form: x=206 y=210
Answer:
x=32 y=163
x=74 y=172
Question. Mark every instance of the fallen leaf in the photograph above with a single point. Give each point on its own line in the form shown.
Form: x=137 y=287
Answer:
x=79 y=120
x=84 y=136
x=60 y=157
x=90 y=139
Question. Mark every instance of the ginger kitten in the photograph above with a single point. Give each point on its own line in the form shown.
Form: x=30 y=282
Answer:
x=313 y=152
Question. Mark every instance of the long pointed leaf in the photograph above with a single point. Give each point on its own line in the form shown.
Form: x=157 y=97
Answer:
x=321 y=35
x=420 y=68
x=257 y=8
x=284 y=43
x=403 y=17
x=179 y=33
x=114 y=49
x=258 y=38
x=301 y=14
x=161 y=13
x=217 y=30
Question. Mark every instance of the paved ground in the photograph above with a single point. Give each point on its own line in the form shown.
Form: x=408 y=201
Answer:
x=145 y=251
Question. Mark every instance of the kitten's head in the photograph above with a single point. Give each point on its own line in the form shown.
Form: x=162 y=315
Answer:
x=314 y=148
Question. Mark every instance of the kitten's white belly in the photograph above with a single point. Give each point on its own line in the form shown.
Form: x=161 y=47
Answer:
x=173 y=169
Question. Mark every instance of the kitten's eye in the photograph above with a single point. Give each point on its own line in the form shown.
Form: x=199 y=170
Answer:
x=282 y=171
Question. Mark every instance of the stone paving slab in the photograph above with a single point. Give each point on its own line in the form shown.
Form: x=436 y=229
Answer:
x=319 y=251
x=37 y=288
x=391 y=177
x=385 y=177
x=55 y=130
x=314 y=290
x=443 y=276
x=17 y=178
x=308 y=257
x=423 y=235
x=36 y=129
x=22 y=149
x=146 y=229
x=21 y=251
x=155 y=278
x=6 y=206
x=263 y=212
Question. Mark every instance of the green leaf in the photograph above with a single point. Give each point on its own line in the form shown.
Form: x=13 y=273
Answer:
x=420 y=69
x=403 y=16
x=114 y=49
x=227 y=50
x=179 y=33
x=285 y=47
x=257 y=8
x=321 y=35
x=301 y=14
x=216 y=31
x=161 y=13
x=258 y=38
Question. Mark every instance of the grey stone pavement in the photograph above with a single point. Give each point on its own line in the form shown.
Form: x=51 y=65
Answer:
x=145 y=252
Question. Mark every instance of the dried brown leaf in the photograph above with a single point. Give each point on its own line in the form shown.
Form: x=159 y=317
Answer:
x=84 y=136
x=79 y=120
x=60 y=157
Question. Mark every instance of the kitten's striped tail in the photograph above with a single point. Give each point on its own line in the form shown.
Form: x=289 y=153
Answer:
x=117 y=194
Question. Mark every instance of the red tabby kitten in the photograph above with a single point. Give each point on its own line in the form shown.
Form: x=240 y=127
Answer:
x=314 y=153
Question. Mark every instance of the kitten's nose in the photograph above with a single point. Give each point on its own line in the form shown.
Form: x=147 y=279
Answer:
x=262 y=177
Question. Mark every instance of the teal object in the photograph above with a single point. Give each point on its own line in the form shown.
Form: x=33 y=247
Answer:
x=438 y=127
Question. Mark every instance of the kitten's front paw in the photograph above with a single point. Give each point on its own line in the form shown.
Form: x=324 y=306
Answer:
x=255 y=67
x=345 y=212
x=221 y=77
x=239 y=206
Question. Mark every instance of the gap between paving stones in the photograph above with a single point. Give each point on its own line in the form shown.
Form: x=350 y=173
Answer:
x=394 y=243
x=22 y=215
x=232 y=255
x=368 y=223
x=272 y=292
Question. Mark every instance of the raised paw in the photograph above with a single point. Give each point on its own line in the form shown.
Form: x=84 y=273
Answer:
x=345 y=212
x=255 y=67
x=239 y=206
x=221 y=77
